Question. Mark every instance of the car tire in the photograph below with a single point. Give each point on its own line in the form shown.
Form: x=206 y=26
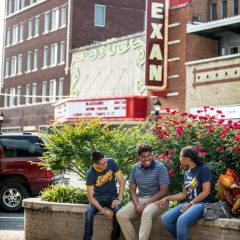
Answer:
x=12 y=195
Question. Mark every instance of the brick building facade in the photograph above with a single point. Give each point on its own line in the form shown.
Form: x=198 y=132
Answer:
x=199 y=32
x=38 y=37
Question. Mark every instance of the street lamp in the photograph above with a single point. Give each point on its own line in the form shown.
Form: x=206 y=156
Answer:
x=157 y=106
x=1 y=120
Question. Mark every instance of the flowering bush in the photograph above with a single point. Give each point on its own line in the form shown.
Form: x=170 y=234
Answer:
x=216 y=139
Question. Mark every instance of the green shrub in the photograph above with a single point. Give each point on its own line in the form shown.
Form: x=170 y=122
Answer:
x=64 y=194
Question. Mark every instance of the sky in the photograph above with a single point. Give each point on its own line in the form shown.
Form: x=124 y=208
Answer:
x=2 y=4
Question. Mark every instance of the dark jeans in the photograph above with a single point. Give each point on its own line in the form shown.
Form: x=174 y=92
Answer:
x=104 y=201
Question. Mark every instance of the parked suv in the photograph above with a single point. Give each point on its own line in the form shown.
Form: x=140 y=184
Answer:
x=19 y=176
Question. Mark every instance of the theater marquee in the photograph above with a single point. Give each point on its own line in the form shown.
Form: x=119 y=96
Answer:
x=157 y=44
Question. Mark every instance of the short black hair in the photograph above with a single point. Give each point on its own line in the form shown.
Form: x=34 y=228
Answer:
x=97 y=156
x=143 y=148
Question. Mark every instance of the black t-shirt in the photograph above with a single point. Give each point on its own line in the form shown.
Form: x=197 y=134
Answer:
x=193 y=180
x=103 y=181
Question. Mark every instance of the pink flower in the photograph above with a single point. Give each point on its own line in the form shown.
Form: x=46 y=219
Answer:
x=171 y=172
x=170 y=151
x=198 y=148
x=167 y=109
x=159 y=117
x=235 y=149
x=219 y=111
x=150 y=119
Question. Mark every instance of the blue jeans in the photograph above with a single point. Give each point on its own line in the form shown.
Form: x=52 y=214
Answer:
x=178 y=223
x=104 y=201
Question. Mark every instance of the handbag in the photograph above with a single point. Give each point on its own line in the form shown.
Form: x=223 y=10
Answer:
x=216 y=210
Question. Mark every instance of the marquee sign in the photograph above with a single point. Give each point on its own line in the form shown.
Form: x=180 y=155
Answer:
x=119 y=108
x=157 y=44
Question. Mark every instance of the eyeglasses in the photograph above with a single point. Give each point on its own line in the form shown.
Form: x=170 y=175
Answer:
x=102 y=164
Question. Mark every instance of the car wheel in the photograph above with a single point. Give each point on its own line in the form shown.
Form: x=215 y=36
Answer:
x=12 y=194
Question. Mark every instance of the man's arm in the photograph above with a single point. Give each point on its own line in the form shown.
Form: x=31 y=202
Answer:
x=122 y=184
x=133 y=194
x=93 y=200
x=164 y=189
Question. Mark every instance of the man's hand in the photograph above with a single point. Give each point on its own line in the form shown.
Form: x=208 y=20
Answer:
x=115 y=203
x=139 y=208
x=108 y=213
x=162 y=202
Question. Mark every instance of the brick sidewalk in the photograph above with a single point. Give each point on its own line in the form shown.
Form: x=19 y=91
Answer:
x=11 y=235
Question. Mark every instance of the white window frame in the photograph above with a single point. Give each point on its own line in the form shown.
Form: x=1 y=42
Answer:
x=6 y=97
x=30 y=28
x=35 y=60
x=52 y=90
x=62 y=52
x=44 y=91
x=7 y=67
x=235 y=46
x=14 y=34
x=29 y=62
x=21 y=32
x=16 y=6
x=19 y=90
x=19 y=65
x=60 y=88
x=36 y=26
x=46 y=22
x=13 y=66
x=12 y=97
x=27 y=97
x=55 y=19
x=63 y=16
x=8 y=40
x=95 y=15
x=23 y=4
x=45 y=57
x=54 y=54
x=34 y=92
x=10 y=6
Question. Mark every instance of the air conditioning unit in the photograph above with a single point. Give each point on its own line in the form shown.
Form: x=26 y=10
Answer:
x=195 y=18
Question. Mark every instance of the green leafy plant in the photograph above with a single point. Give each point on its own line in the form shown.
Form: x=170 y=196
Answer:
x=213 y=137
x=64 y=194
x=70 y=147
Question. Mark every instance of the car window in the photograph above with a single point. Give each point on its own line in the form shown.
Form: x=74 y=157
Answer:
x=21 y=146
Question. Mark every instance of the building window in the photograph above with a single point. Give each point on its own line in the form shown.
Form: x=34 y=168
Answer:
x=29 y=61
x=44 y=91
x=62 y=52
x=8 y=37
x=213 y=12
x=7 y=67
x=12 y=97
x=53 y=60
x=16 y=5
x=27 y=97
x=10 y=6
x=21 y=27
x=34 y=93
x=22 y=4
x=99 y=15
x=6 y=97
x=55 y=19
x=52 y=90
x=19 y=90
x=36 y=28
x=35 y=59
x=13 y=66
x=234 y=50
x=19 y=68
x=14 y=34
x=46 y=22
x=30 y=26
x=224 y=9
x=64 y=16
x=60 y=88
x=45 y=57
x=235 y=7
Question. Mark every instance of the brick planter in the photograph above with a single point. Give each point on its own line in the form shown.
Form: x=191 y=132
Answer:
x=50 y=221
